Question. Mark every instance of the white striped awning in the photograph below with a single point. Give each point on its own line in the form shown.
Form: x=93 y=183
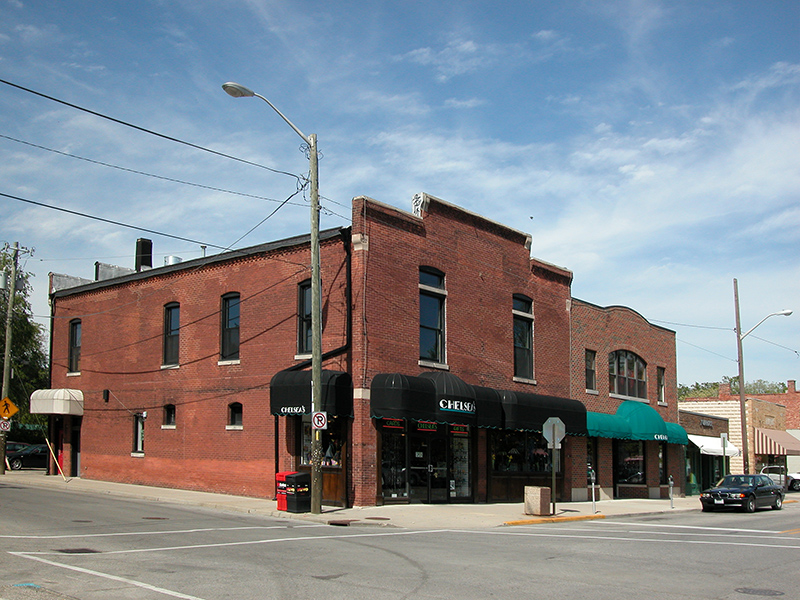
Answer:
x=774 y=441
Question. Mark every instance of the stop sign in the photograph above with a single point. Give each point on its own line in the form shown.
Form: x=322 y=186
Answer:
x=554 y=431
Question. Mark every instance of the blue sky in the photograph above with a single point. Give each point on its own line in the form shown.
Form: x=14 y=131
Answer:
x=650 y=147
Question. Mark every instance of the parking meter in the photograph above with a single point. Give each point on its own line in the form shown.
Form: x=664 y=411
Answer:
x=671 y=501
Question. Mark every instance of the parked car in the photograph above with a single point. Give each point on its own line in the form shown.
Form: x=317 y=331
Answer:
x=779 y=475
x=746 y=492
x=34 y=455
x=15 y=446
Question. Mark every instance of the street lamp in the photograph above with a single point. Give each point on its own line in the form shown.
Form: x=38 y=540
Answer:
x=240 y=91
x=739 y=337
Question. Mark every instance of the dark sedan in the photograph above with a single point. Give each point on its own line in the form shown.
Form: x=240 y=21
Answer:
x=35 y=455
x=746 y=492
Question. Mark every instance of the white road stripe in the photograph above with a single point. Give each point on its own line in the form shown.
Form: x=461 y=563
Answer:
x=125 y=580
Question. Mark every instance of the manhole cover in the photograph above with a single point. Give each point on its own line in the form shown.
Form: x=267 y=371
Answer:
x=78 y=551
x=156 y=518
x=81 y=521
x=755 y=592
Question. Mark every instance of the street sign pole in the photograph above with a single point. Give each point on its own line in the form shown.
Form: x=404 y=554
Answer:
x=553 y=431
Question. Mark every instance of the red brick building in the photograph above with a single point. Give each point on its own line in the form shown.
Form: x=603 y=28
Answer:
x=624 y=371
x=445 y=348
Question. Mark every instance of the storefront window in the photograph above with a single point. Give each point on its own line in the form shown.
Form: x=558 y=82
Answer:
x=663 y=473
x=459 y=465
x=629 y=461
x=332 y=439
x=393 y=459
x=520 y=451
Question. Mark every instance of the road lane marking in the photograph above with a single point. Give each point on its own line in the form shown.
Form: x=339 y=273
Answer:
x=135 y=533
x=608 y=538
x=665 y=526
x=243 y=543
x=125 y=580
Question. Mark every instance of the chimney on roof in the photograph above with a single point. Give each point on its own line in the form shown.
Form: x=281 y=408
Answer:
x=792 y=386
x=144 y=254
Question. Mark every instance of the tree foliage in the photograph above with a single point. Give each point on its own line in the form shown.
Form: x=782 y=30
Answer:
x=28 y=357
x=711 y=389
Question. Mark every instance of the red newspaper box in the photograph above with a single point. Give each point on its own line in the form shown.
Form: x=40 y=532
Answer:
x=280 y=488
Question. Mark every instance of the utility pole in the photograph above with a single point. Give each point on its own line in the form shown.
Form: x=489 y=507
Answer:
x=12 y=288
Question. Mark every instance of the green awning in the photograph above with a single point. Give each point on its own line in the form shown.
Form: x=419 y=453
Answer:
x=676 y=434
x=645 y=422
x=635 y=421
x=607 y=426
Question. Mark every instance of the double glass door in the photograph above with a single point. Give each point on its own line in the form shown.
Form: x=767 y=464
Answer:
x=427 y=477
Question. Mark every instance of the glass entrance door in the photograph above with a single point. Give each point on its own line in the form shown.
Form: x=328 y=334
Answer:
x=428 y=477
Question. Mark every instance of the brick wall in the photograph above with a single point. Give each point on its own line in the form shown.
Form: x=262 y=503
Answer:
x=122 y=327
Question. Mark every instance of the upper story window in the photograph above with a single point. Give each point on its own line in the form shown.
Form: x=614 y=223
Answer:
x=431 y=315
x=172 y=324
x=74 y=346
x=304 y=317
x=229 y=346
x=661 y=384
x=522 y=311
x=627 y=374
x=591 y=369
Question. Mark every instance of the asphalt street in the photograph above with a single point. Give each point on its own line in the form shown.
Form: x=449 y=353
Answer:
x=84 y=546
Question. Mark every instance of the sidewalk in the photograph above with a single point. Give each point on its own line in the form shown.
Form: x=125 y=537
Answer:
x=411 y=516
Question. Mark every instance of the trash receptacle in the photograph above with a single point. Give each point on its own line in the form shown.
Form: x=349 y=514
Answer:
x=280 y=488
x=298 y=492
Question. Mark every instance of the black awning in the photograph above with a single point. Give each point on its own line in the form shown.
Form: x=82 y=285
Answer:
x=398 y=396
x=530 y=411
x=455 y=399
x=290 y=393
x=488 y=407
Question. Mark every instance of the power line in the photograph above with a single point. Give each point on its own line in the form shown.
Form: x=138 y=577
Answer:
x=112 y=222
x=155 y=133
x=146 y=174
x=694 y=326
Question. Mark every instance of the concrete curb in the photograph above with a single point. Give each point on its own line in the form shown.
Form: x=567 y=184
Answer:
x=554 y=520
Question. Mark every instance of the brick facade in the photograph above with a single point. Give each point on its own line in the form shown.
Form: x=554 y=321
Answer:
x=371 y=325
x=604 y=330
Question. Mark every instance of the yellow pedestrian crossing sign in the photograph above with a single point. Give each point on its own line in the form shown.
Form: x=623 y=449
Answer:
x=8 y=409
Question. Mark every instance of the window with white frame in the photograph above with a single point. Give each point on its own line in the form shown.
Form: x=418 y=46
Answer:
x=522 y=311
x=74 y=346
x=172 y=324
x=229 y=344
x=304 y=317
x=432 y=296
x=138 y=433
x=590 y=357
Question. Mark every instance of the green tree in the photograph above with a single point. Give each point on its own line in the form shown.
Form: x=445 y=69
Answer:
x=29 y=365
x=711 y=389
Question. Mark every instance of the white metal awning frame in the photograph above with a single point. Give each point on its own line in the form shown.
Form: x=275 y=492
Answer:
x=712 y=446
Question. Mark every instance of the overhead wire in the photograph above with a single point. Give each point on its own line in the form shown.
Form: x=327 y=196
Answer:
x=146 y=174
x=149 y=131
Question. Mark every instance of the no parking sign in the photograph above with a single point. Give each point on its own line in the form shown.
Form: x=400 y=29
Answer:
x=319 y=420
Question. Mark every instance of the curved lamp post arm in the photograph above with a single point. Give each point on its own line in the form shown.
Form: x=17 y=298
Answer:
x=783 y=313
